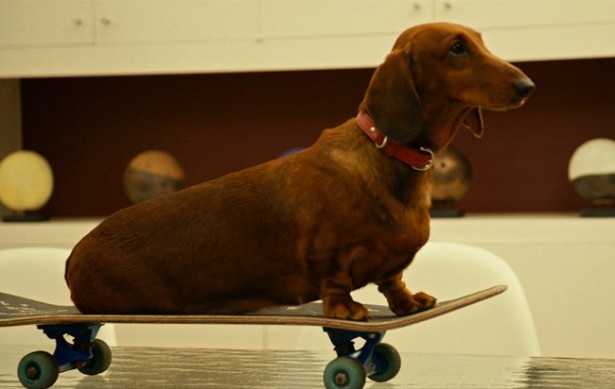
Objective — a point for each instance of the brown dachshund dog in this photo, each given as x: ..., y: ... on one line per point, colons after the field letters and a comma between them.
x: 352, y: 209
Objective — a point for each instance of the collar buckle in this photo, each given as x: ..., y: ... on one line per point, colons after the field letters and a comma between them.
x: 383, y: 144
x: 429, y: 164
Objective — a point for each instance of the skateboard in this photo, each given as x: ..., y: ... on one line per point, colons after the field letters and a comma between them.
x: 378, y: 361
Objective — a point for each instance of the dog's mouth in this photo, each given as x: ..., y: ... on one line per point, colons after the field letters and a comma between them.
x: 516, y: 103
x: 498, y: 103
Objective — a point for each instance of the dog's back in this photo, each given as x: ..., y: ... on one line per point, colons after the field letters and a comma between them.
x: 193, y: 251
x: 233, y: 244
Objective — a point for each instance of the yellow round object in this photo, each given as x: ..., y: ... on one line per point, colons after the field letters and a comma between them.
x: 26, y: 181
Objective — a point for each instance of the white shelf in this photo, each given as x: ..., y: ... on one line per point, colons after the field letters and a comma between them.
x: 478, y: 230
x: 63, y: 233
x: 524, y: 229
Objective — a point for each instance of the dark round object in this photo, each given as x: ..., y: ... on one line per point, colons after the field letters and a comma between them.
x: 599, y: 188
x: 151, y: 174
x: 38, y: 370
x: 452, y: 175
x: 100, y: 361
x: 344, y: 372
x: 387, y: 357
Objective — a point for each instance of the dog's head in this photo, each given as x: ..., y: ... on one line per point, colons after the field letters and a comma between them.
x: 441, y: 69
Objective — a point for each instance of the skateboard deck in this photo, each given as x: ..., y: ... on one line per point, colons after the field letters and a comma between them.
x: 16, y: 311
x: 378, y: 361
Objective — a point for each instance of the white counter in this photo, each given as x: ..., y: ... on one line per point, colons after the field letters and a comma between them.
x: 565, y: 263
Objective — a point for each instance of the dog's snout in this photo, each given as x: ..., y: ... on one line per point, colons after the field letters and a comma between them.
x: 524, y: 87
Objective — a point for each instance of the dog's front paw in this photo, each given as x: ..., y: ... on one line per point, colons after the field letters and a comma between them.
x: 407, y: 303
x: 346, y: 309
x: 427, y: 301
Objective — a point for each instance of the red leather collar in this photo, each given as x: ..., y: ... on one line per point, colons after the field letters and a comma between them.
x: 420, y: 160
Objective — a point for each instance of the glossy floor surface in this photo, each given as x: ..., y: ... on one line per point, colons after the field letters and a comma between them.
x: 203, y: 368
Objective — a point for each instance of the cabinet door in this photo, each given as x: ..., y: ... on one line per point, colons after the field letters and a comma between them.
x: 166, y: 21
x: 309, y: 18
x: 45, y: 23
x: 506, y: 14
x: 523, y: 30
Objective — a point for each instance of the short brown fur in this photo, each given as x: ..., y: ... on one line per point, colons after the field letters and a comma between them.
x: 315, y: 225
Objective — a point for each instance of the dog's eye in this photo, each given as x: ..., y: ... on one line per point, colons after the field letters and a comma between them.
x: 458, y: 48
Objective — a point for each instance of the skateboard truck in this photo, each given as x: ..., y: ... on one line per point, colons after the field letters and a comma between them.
x: 378, y: 361
x: 76, y: 355
x: 89, y: 355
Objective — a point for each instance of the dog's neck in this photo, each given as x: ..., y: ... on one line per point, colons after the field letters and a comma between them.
x: 443, y: 123
x: 420, y: 160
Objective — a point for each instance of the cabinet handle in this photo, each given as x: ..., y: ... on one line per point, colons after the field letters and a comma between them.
x: 105, y: 21
x: 77, y: 22
x: 417, y: 6
x: 448, y: 5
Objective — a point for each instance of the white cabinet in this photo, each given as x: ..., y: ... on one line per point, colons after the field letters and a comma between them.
x: 169, y: 21
x: 307, y: 19
x: 324, y: 34
x: 125, y: 37
x: 40, y: 38
x: 45, y: 23
x: 487, y: 15
x: 72, y: 22
x: 523, y: 30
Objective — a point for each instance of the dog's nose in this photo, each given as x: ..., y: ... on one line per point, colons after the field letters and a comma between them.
x: 524, y: 87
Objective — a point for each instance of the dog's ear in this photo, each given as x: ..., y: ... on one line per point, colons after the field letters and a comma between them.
x: 391, y: 99
x: 474, y: 122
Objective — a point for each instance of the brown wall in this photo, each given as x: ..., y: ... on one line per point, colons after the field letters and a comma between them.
x: 89, y: 128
